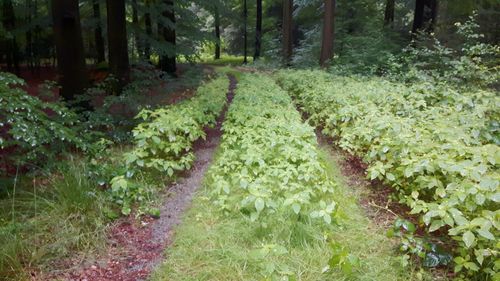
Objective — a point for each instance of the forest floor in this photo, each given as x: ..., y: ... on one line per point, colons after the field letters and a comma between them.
x: 135, y: 247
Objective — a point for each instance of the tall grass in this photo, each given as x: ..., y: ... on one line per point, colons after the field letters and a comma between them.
x: 43, y: 220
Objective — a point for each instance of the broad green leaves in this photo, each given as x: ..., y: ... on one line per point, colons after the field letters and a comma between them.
x: 163, y: 142
x: 268, y: 161
x: 436, y: 146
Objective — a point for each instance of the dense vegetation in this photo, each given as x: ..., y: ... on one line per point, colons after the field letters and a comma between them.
x: 362, y: 142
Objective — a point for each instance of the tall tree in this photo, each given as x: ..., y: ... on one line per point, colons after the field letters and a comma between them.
x: 245, y: 33
x: 217, y: 32
x: 168, y: 59
x: 9, y: 23
x: 258, y: 30
x: 117, y: 42
x: 99, y: 41
x: 149, y: 30
x: 389, y: 13
x: 287, y: 29
x: 73, y: 76
x: 135, y: 21
x: 425, y: 15
x: 328, y: 32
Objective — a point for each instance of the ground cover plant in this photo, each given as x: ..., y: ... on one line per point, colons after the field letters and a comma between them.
x: 436, y: 146
x: 261, y: 216
x: 163, y: 142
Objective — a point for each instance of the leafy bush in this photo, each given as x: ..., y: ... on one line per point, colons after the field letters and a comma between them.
x: 32, y: 131
x: 472, y: 64
x: 437, y: 147
x: 163, y: 142
x: 268, y: 160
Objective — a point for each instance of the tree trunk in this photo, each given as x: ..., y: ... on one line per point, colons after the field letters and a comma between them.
x: 217, y: 33
x: 328, y: 33
x: 425, y: 16
x: 135, y: 21
x: 29, y: 39
x: 258, y: 30
x: 117, y: 41
x: 12, y: 50
x: 167, y: 61
x: 73, y: 76
x: 245, y: 33
x: 287, y: 31
x: 149, y: 32
x: 99, y: 41
x: 389, y: 13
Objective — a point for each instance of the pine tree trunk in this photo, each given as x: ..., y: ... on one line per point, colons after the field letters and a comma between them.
x: 117, y: 42
x: 73, y: 76
x: 168, y: 61
x: 99, y: 41
x: 258, y: 30
x: 135, y: 21
x: 328, y: 33
x: 425, y: 16
x: 217, y: 33
x: 389, y: 13
x: 29, y: 39
x: 287, y: 31
x: 12, y: 50
x: 245, y: 33
x: 149, y: 32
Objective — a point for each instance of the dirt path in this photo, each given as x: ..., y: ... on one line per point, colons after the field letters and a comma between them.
x: 137, y: 247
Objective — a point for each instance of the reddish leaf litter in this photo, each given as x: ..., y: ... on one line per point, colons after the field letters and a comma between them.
x: 135, y: 248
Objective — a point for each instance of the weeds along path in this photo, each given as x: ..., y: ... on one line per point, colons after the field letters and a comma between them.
x: 136, y: 248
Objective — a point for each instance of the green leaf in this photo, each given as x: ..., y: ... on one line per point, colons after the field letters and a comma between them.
x: 259, y: 204
x: 296, y: 208
x: 468, y: 238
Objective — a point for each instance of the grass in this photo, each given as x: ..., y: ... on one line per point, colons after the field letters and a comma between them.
x: 43, y: 220
x: 210, y: 245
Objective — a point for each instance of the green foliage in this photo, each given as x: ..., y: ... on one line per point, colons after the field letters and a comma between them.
x: 164, y: 140
x: 46, y: 219
x: 31, y: 130
x: 437, y: 147
x: 472, y: 63
x: 268, y: 160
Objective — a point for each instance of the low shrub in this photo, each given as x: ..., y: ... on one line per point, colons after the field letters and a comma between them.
x: 436, y: 146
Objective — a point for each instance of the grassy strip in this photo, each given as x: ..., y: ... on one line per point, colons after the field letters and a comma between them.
x: 46, y: 219
x: 163, y: 142
x: 437, y: 147
x: 229, y: 235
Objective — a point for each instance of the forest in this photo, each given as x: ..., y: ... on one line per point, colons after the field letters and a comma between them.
x: 250, y: 140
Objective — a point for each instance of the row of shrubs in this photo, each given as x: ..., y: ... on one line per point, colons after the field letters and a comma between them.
x: 436, y: 146
x: 163, y: 141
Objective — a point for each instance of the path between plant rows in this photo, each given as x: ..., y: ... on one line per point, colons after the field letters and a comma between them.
x: 135, y: 248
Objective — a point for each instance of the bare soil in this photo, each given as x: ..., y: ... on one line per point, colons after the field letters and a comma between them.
x: 136, y: 247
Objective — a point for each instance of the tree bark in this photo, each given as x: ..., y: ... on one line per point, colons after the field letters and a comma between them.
x: 328, y: 33
x: 245, y: 33
x: 389, y: 13
x: 217, y: 33
x: 168, y: 61
x: 287, y: 29
x: 149, y: 31
x: 135, y: 21
x: 73, y: 76
x: 425, y: 16
x: 12, y: 50
x: 99, y: 41
x: 117, y: 42
x: 258, y: 30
